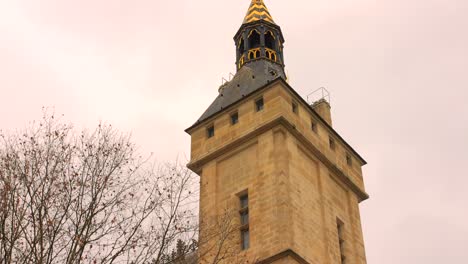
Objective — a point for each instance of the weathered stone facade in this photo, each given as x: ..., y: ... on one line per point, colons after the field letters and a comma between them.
x: 304, y: 182
x: 298, y: 186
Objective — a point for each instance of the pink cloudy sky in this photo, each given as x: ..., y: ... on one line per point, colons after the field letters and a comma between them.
x: 397, y: 70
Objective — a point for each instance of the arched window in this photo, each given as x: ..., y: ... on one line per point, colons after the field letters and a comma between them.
x: 270, y: 40
x: 254, y: 53
x: 254, y: 39
x: 271, y: 54
x: 241, y: 47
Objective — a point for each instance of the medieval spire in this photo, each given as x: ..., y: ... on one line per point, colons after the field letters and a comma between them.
x: 258, y: 11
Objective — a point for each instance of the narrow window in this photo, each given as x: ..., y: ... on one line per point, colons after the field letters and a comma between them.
x: 210, y: 132
x: 234, y: 118
x: 294, y: 108
x: 254, y: 39
x: 270, y: 40
x: 244, y: 219
x: 245, y: 239
x: 332, y: 143
x: 341, y: 241
x: 241, y: 47
x: 259, y: 105
x: 313, y: 125
x: 349, y: 160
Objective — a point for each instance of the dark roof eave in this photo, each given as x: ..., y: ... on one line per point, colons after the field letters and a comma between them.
x: 235, y: 102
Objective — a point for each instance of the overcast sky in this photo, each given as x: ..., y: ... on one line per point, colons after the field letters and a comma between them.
x: 397, y: 71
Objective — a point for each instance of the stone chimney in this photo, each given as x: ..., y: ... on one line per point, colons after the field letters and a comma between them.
x: 322, y: 107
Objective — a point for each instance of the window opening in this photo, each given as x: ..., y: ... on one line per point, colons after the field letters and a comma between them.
x: 241, y: 47
x: 270, y: 40
x: 244, y: 219
x: 314, y: 126
x: 254, y: 39
x: 234, y: 118
x: 259, y: 105
x: 341, y: 241
x: 332, y: 143
x: 294, y: 108
x: 349, y: 160
x: 210, y: 132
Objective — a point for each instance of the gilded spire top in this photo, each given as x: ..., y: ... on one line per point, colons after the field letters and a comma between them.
x: 258, y: 11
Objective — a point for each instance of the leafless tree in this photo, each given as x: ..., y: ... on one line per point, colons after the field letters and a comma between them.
x: 87, y: 198
x: 220, y: 239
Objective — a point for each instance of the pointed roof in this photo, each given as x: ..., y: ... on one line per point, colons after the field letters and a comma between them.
x: 258, y: 11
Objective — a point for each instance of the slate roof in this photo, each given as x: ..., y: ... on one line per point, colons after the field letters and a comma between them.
x: 248, y: 79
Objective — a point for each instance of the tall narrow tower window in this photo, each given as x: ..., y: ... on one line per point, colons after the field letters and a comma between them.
x: 270, y: 40
x: 254, y: 39
x: 340, y: 227
x: 241, y: 47
x: 244, y: 220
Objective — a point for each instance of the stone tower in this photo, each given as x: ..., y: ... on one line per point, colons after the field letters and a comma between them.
x: 277, y: 183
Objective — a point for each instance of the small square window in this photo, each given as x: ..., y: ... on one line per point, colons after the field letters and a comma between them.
x: 349, y: 160
x: 294, y: 108
x: 234, y: 118
x: 332, y: 143
x: 259, y: 105
x: 314, y: 126
x: 210, y: 132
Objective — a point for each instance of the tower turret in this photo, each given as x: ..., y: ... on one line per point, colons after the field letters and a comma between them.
x: 259, y: 40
